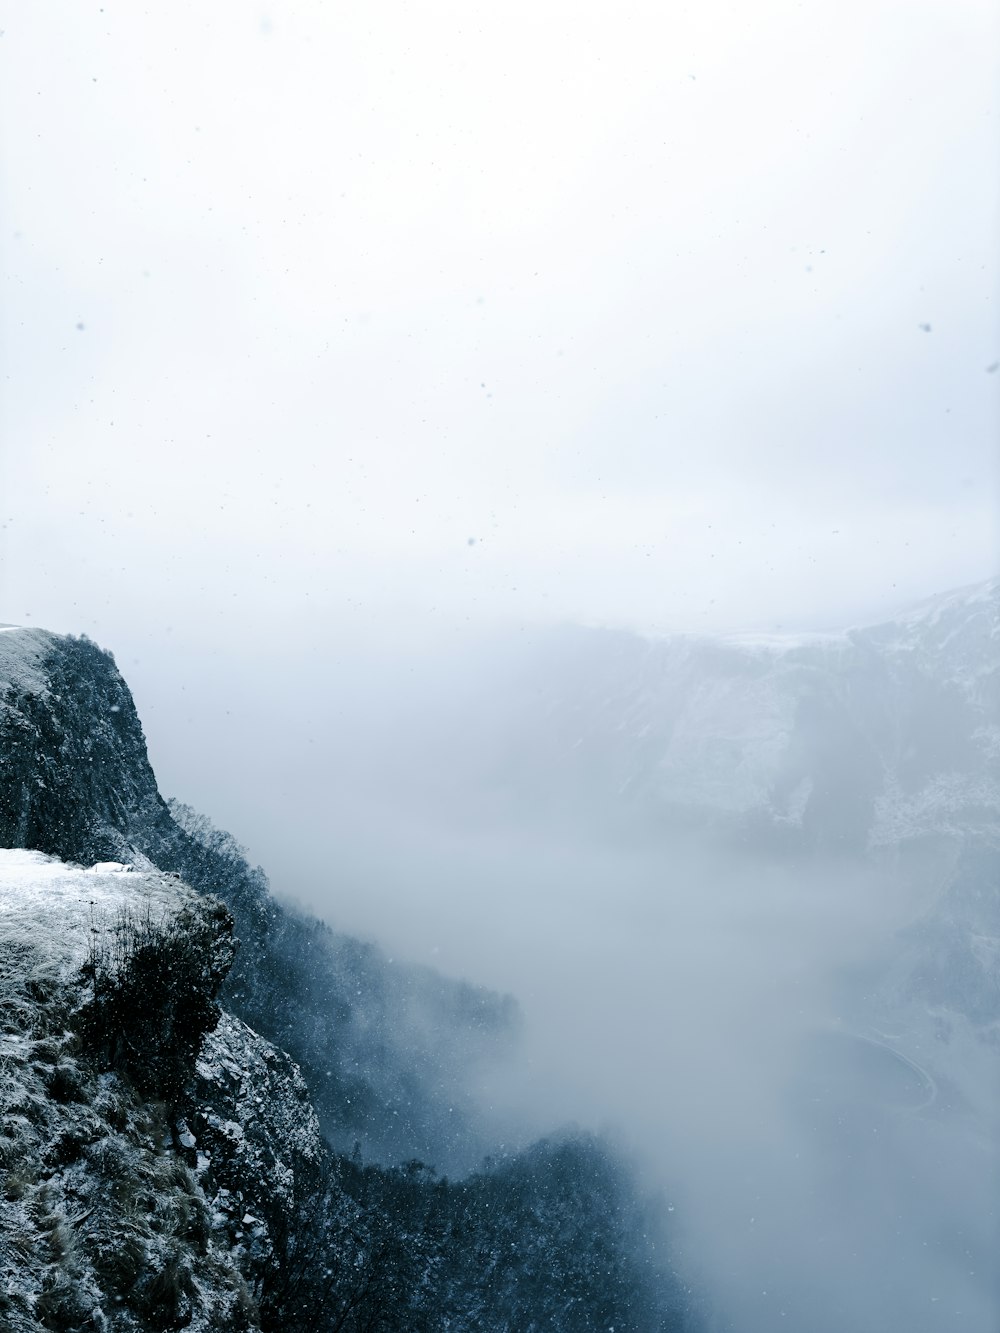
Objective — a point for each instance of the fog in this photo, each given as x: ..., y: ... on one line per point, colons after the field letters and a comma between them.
x: 355, y: 355
x: 732, y: 1015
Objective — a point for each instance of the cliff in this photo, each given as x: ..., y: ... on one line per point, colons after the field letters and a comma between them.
x: 76, y: 783
x: 166, y: 1165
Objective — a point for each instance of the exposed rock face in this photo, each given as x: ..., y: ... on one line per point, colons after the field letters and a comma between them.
x: 115, y: 1215
x: 75, y: 782
x: 75, y: 777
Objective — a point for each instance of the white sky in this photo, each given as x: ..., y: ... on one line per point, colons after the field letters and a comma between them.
x: 631, y: 294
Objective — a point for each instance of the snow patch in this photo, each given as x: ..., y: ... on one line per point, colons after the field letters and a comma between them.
x: 22, y: 657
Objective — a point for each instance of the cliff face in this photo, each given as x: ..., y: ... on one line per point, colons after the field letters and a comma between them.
x: 75, y: 782
x: 161, y: 1159
x: 75, y: 778
x: 114, y: 1215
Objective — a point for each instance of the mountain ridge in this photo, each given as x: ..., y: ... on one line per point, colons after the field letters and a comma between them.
x: 821, y: 741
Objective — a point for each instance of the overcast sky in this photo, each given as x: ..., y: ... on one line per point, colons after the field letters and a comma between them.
x: 660, y: 315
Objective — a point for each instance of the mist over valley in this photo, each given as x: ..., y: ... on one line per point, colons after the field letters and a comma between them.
x: 743, y: 892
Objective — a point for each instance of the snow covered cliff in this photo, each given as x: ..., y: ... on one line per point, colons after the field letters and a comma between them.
x: 75, y: 782
x: 121, y: 1210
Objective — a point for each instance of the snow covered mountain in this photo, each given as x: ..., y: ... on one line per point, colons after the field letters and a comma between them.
x: 878, y: 747
x: 846, y: 742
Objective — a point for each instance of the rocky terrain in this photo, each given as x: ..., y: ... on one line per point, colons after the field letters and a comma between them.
x: 165, y: 1165
x: 114, y: 1214
x: 76, y: 783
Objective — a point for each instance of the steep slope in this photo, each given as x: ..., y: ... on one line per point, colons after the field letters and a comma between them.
x: 386, y: 1049
x: 135, y: 1200
x: 107, y: 1219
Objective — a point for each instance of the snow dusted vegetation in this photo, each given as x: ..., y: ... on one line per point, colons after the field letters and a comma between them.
x: 104, y: 1223
x: 50, y: 910
x: 129, y: 1205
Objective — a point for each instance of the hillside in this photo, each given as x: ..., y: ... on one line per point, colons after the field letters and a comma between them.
x: 387, y: 1049
x: 163, y: 1161
x: 114, y: 1215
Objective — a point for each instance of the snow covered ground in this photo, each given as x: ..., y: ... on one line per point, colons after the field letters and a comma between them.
x: 22, y: 652
x: 114, y: 1213
x: 48, y: 909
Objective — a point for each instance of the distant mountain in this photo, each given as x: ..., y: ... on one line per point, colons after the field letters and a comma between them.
x: 846, y: 743
x: 877, y: 748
